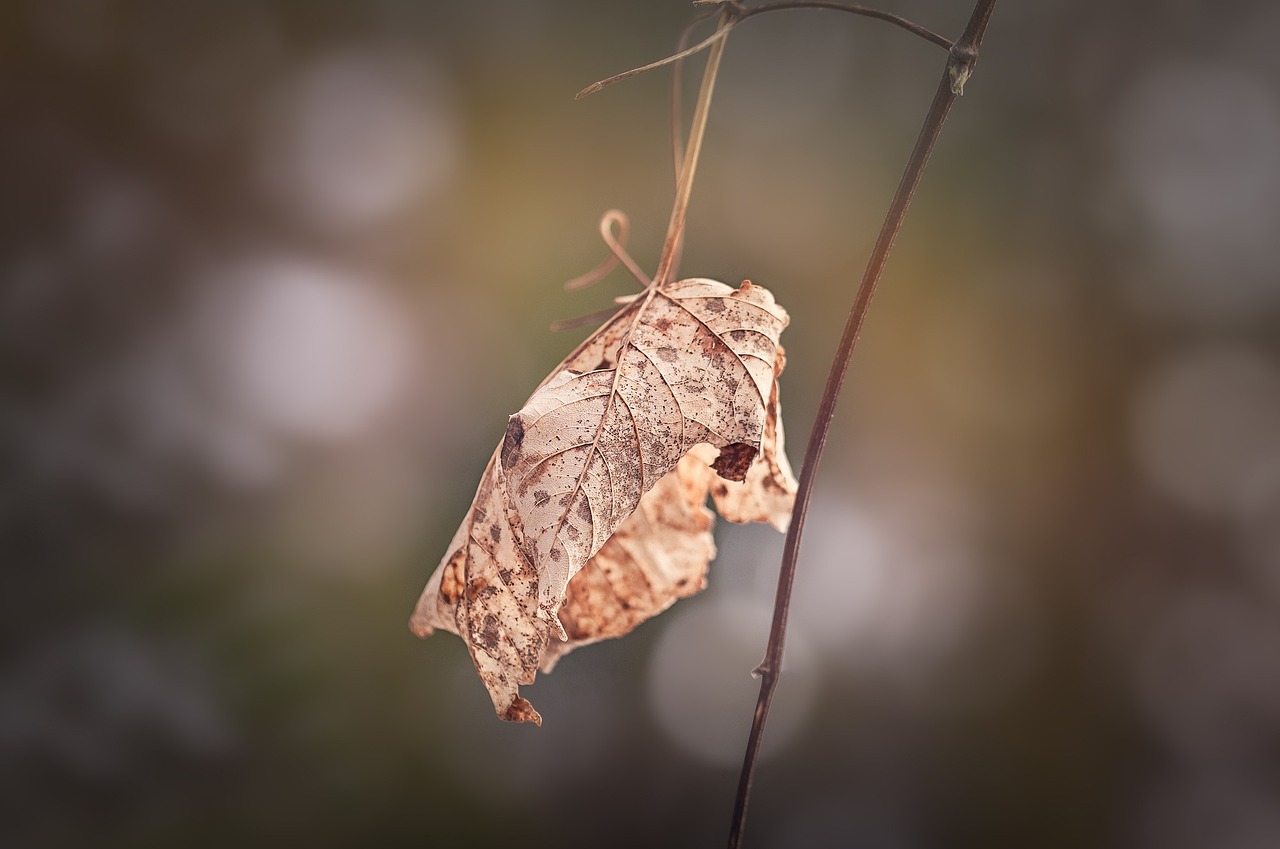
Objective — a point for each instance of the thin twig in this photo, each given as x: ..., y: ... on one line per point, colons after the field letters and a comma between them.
x: 715, y: 38
x: 963, y: 56
x: 737, y: 13
x: 854, y: 9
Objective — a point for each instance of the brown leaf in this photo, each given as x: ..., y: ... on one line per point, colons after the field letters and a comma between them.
x: 659, y: 554
x: 693, y: 363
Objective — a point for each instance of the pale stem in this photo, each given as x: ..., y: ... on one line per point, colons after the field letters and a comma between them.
x: 684, y: 187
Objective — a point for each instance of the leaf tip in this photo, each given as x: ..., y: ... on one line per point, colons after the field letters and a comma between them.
x: 521, y: 711
x: 420, y: 622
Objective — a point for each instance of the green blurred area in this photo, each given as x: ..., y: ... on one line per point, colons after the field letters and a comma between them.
x: 275, y: 273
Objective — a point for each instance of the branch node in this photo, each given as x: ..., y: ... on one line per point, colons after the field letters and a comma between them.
x: 960, y: 66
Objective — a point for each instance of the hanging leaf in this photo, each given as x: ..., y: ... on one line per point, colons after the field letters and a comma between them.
x: 693, y: 363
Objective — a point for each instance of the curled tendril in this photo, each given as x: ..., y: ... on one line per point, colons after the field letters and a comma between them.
x: 617, y: 253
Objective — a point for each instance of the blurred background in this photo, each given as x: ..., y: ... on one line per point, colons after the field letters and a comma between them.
x: 273, y: 274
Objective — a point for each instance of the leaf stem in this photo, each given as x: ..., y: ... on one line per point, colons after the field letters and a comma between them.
x: 963, y: 57
x: 697, y: 129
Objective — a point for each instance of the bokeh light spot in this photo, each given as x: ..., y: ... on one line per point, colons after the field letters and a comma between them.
x: 357, y: 138
x: 309, y: 350
x: 1197, y: 151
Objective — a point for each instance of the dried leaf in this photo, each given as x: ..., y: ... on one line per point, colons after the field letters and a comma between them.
x: 659, y: 554
x: 690, y: 364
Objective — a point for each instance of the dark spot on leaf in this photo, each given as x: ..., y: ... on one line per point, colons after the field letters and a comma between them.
x: 505, y: 575
x: 734, y: 460
x: 495, y: 533
x: 512, y: 441
x: 584, y: 510
x: 669, y: 355
x: 662, y: 325
x: 488, y: 636
x: 556, y: 554
x: 541, y: 497
x: 715, y: 305
x: 477, y: 586
x: 572, y: 532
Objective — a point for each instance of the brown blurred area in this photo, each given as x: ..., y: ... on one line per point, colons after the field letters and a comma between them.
x: 273, y: 274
